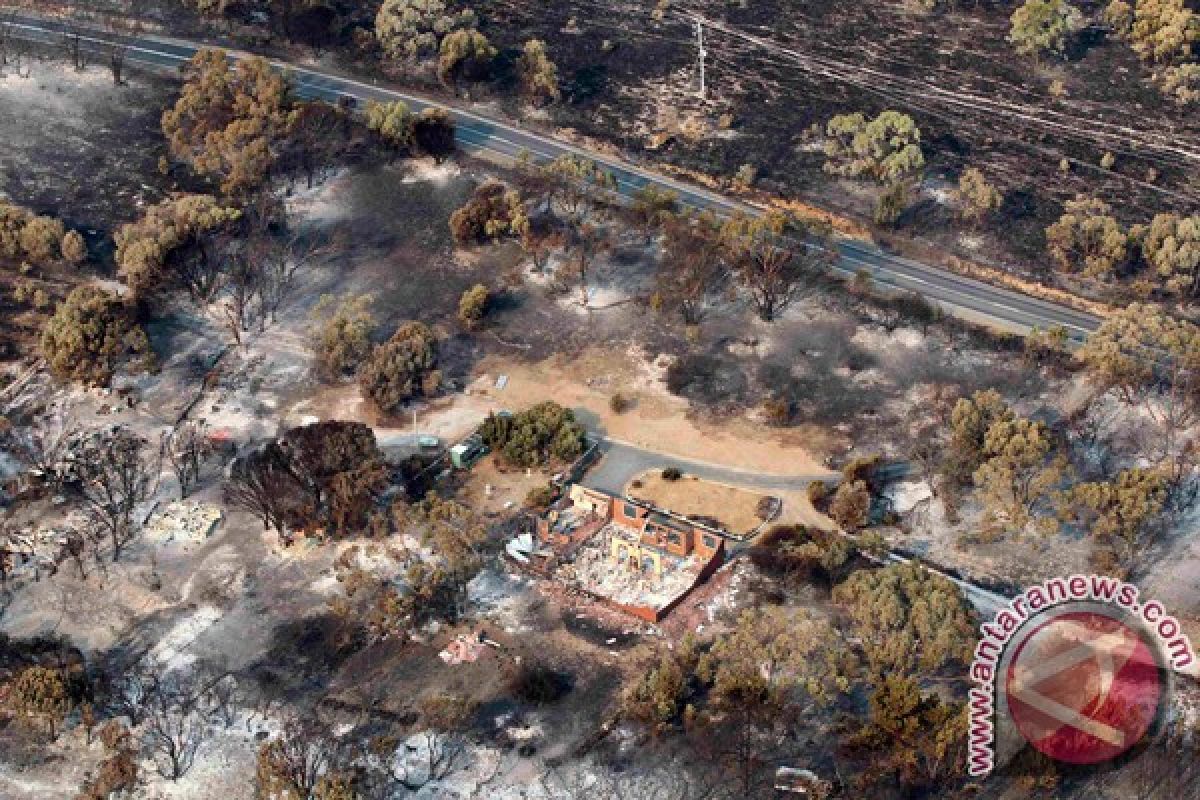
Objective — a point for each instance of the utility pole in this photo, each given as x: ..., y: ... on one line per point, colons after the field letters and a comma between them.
x: 702, y: 54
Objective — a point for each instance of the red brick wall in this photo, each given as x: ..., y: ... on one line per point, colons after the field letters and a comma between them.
x: 621, y: 518
x: 599, y: 500
x: 682, y: 548
x: 702, y: 549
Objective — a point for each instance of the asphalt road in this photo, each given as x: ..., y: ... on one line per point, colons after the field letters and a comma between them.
x: 622, y: 462
x: 964, y: 297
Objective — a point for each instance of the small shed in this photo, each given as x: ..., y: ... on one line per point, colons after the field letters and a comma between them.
x: 465, y: 454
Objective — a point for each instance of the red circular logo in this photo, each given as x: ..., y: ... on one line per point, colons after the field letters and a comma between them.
x: 1083, y: 687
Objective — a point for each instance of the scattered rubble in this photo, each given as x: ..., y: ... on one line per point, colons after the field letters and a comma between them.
x: 184, y: 521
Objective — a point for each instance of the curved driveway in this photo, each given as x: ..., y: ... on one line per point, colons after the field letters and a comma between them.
x: 621, y: 462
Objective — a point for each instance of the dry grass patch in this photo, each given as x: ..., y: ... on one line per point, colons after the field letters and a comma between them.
x: 508, y: 485
x: 735, y: 509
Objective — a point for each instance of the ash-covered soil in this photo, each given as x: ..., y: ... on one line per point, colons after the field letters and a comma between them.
x: 78, y: 147
x: 781, y: 68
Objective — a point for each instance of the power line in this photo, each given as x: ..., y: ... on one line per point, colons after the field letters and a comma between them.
x: 1052, y: 121
x: 952, y: 106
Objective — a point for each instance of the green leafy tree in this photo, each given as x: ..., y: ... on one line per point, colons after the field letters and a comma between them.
x: 493, y: 212
x: 41, y: 239
x: 437, y: 586
x: 775, y: 652
x: 658, y: 698
x: 1044, y: 26
x: 1181, y: 83
x: 230, y: 120
x: 1119, y: 15
x: 1153, y: 360
x: 41, y: 693
x: 1171, y: 246
x: 796, y: 552
x: 892, y: 203
x: 970, y: 420
x: 574, y: 182
x: 30, y: 238
x: 344, y: 340
x: 393, y: 122
x: 910, y: 621
x: 851, y: 505
x: 90, y: 335
x: 918, y: 737
x: 451, y: 529
x: 411, y: 30
x: 654, y: 207
x: 73, y: 248
x: 776, y: 257
x: 1023, y: 466
x: 535, y: 436
x: 1163, y: 31
x: 1048, y: 345
x: 172, y: 245
x: 473, y: 305
x: 537, y: 74
x: 1116, y: 355
x: 977, y: 198
x: 13, y: 220
x: 1087, y: 239
x: 1120, y: 513
x: 212, y: 8
x: 401, y: 368
x: 886, y: 149
x: 464, y: 55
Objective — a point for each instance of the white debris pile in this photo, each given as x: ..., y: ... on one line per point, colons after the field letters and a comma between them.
x: 32, y: 551
x: 184, y: 521
x: 521, y: 548
x: 727, y: 601
x: 907, y: 495
x: 593, y: 569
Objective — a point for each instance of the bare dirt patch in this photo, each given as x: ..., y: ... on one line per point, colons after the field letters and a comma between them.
x: 736, y: 509
x: 798, y: 510
x: 657, y: 421
x: 490, y: 487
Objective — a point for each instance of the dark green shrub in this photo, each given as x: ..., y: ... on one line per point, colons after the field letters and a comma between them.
x: 535, y: 436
